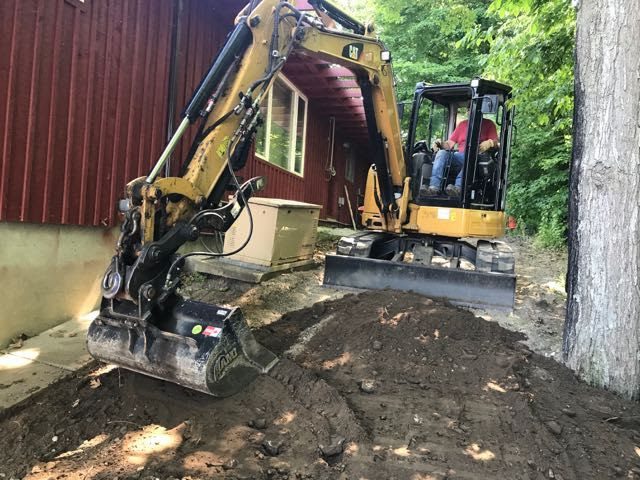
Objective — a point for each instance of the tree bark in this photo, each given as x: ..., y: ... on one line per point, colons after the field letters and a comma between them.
x: 602, y: 330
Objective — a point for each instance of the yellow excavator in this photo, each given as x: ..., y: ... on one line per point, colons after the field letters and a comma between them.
x: 418, y: 236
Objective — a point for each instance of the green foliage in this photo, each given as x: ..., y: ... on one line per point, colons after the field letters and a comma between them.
x: 525, y: 43
x: 531, y: 48
x: 424, y: 37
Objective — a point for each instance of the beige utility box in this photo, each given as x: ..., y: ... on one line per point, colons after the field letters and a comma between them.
x: 284, y: 231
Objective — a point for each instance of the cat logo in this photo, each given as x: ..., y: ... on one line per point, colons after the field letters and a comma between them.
x: 353, y: 51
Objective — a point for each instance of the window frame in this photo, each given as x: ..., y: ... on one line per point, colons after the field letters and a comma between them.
x: 291, y: 161
x: 80, y: 4
x: 350, y: 165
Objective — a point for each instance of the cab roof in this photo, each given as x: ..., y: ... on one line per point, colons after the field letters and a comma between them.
x: 454, y: 92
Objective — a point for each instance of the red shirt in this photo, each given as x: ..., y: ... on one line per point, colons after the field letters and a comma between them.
x: 487, y: 132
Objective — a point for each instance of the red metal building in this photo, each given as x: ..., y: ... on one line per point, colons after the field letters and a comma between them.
x: 89, y: 90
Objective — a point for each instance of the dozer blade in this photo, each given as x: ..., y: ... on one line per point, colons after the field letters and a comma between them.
x: 460, y: 287
x: 196, y: 345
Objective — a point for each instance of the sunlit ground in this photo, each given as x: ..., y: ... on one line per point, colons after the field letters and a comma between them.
x: 340, y: 360
x: 477, y: 453
x: 492, y: 385
x: 285, y: 419
x: 27, y: 357
x: 151, y: 440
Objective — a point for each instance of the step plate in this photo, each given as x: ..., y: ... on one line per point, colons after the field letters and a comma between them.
x: 460, y: 287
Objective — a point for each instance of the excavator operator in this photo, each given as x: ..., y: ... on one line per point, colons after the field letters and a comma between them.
x: 446, y: 155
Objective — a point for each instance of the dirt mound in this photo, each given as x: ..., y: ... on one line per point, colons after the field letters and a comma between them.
x: 381, y: 385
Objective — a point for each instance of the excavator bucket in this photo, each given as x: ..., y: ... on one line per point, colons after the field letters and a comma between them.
x: 194, y: 344
x: 460, y: 287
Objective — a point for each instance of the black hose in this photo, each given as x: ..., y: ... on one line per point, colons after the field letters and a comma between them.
x: 177, y: 261
x: 264, y: 81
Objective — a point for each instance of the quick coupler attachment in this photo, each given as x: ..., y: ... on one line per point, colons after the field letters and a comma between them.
x: 197, y: 345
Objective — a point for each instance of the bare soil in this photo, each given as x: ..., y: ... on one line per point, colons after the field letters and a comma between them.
x: 266, y: 302
x: 540, y: 306
x: 379, y: 385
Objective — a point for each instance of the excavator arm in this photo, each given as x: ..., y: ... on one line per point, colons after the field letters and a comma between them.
x: 144, y: 324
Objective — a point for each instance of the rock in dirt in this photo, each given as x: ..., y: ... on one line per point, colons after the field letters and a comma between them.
x: 377, y: 345
x: 230, y: 464
x: 568, y: 412
x: 554, y: 427
x: 336, y: 447
x: 318, y: 309
x: 272, y: 447
x: 541, y: 374
x: 258, y: 423
x: 368, y: 385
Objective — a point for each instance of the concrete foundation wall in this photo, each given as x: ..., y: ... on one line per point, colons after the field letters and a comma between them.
x: 49, y: 274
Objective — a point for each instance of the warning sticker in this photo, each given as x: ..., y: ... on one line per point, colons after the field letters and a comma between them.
x: 211, y: 331
x: 222, y: 312
x: 443, y: 213
x: 222, y: 149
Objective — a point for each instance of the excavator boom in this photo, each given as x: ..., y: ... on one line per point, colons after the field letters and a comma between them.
x: 144, y: 324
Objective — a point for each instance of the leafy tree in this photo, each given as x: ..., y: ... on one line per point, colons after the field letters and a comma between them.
x: 425, y: 36
x: 531, y: 48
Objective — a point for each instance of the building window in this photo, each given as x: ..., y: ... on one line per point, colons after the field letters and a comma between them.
x: 280, y: 140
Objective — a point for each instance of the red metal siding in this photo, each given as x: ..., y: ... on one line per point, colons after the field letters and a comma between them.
x: 84, y: 100
x: 204, y: 26
x: 82, y: 104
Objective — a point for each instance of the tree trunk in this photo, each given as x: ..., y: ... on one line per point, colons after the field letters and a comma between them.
x: 602, y: 330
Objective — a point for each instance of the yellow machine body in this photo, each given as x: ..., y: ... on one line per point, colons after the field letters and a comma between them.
x: 429, y: 220
x: 456, y: 222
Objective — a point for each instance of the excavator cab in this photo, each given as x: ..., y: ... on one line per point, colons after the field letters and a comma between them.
x: 437, y: 111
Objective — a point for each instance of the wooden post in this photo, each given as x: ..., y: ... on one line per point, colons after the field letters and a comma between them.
x: 353, y: 221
